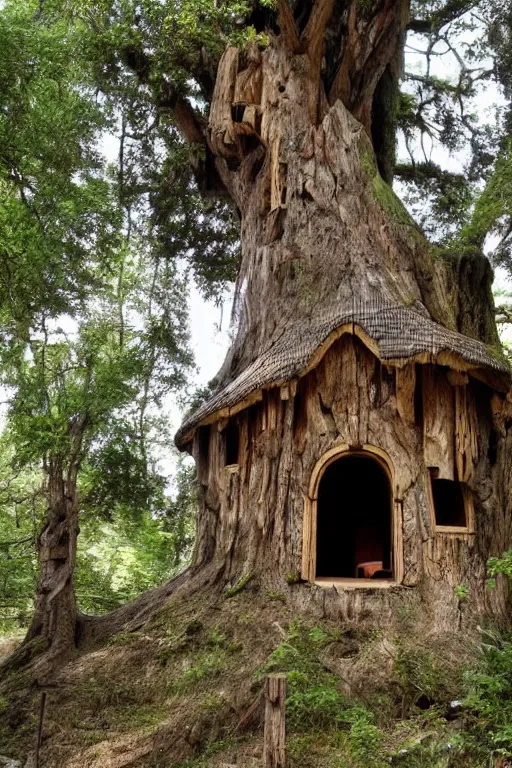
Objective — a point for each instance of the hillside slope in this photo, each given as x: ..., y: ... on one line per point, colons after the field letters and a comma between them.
x: 183, y: 689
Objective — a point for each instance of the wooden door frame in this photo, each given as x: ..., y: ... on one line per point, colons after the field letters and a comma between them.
x: 311, y: 513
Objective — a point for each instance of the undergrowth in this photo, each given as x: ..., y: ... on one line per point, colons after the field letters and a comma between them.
x: 355, y: 699
x: 419, y: 723
x: 316, y: 704
x: 488, y: 699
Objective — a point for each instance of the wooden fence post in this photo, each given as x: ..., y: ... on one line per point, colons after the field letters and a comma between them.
x: 39, y: 739
x: 274, y: 738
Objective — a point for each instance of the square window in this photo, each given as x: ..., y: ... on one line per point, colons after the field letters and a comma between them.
x: 231, y: 443
x: 450, y: 504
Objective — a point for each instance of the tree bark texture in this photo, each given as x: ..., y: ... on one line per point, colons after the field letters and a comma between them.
x: 55, y: 609
x: 55, y: 605
x: 293, y: 145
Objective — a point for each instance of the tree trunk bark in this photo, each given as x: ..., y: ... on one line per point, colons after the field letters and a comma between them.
x: 55, y: 611
x: 319, y: 224
x: 321, y: 228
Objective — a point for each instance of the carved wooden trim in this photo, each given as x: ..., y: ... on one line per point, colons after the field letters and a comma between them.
x: 326, y: 583
x: 309, y: 532
x: 321, y: 465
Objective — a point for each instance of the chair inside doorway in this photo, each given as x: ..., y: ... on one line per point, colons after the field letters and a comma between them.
x: 354, y: 520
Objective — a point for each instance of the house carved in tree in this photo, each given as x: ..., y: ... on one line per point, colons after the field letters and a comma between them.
x: 356, y: 445
x: 390, y: 423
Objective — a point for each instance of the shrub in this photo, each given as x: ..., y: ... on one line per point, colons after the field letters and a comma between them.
x: 425, y: 678
x: 365, y: 741
x: 316, y: 706
x: 489, y: 695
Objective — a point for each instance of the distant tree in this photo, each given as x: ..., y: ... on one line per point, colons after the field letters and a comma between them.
x: 92, y: 313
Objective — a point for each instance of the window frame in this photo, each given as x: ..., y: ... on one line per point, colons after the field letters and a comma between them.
x: 467, y: 496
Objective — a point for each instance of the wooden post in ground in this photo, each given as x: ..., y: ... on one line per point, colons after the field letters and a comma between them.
x: 39, y: 739
x: 274, y: 738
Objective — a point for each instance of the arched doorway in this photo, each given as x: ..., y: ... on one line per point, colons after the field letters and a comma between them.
x: 354, y: 520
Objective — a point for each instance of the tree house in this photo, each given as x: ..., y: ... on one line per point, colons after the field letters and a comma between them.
x: 358, y: 441
x: 357, y: 454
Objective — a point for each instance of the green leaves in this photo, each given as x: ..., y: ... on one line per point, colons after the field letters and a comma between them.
x: 93, y: 317
x: 54, y: 205
x: 489, y: 694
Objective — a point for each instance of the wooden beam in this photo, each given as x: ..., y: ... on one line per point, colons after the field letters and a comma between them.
x: 438, y: 422
x: 308, y: 570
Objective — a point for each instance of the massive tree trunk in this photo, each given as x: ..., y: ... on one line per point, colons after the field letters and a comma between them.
x: 301, y: 141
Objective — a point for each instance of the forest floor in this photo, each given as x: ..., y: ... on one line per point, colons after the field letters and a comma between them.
x: 184, y: 690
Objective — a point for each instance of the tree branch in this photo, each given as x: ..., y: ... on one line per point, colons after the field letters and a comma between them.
x: 187, y: 120
x: 15, y: 542
x: 313, y: 35
x: 452, y: 11
x: 287, y: 25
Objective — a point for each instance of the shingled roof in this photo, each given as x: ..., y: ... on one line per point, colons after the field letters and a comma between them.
x: 396, y: 334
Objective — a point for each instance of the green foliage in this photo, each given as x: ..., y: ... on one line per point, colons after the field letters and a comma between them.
x: 21, y: 515
x: 207, y: 658
x: 489, y: 695
x: 92, y: 318
x: 492, y: 211
x: 315, y: 703
x: 365, y: 740
x: 313, y: 706
x: 462, y: 593
x: 56, y: 201
x: 497, y: 565
x: 292, y: 577
x: 425, y: 679
x: 314, y: 699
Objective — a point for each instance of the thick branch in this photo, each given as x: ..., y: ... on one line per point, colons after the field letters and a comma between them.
x: 287, y: 25
x: 452, y: 11
x: 187, y: 120
x: 427, y: 171
x: 15, y: 542
x: 313, y: 35
x: 372, y: 44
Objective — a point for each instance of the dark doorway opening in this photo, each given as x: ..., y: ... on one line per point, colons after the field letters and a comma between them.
x: 354, y: 520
